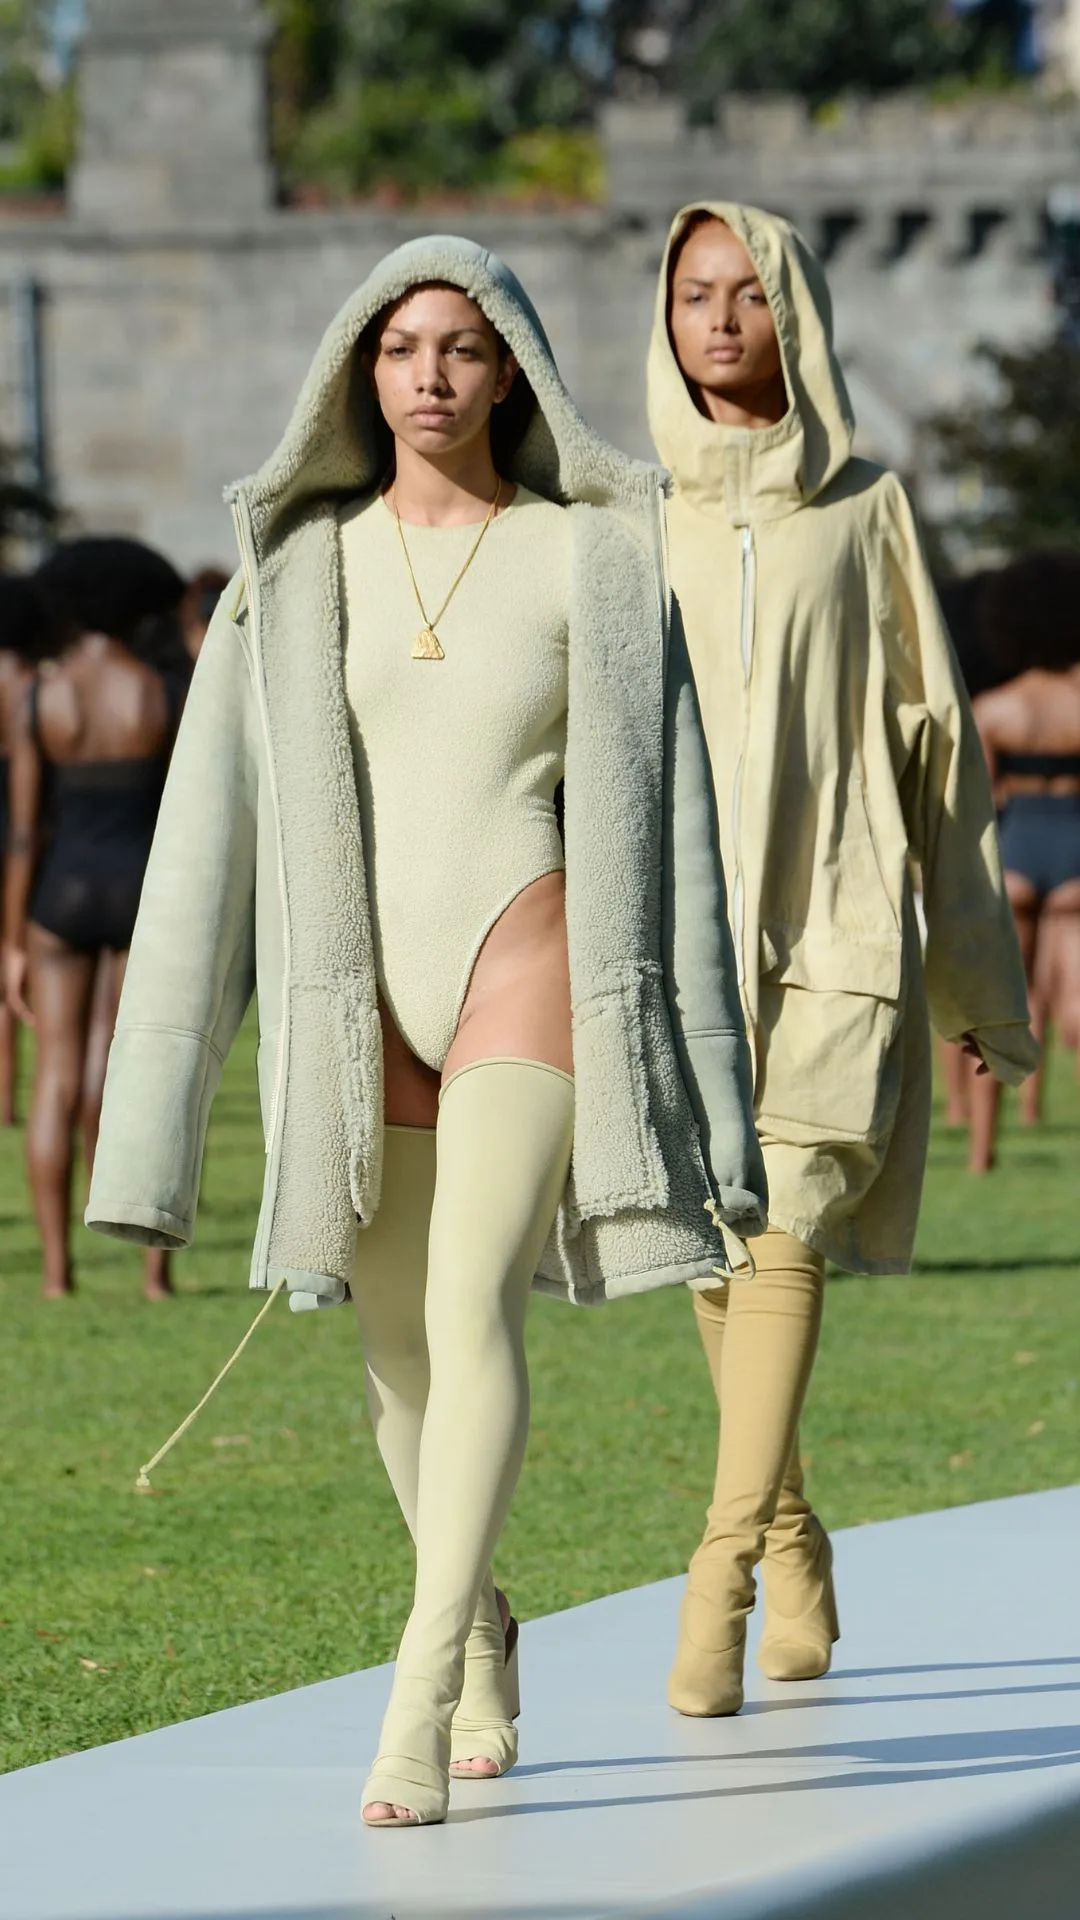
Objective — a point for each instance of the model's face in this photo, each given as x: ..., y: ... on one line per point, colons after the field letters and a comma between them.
x: 722, y: 326
x: 437, y: 371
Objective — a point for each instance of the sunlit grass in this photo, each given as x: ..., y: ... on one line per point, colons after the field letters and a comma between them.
x: 272, y: 1553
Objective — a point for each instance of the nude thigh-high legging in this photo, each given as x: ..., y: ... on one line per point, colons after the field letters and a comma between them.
x: 503, y: 1144
x: 389, y: 1286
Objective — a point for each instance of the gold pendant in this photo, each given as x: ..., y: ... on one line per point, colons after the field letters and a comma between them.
x: 426, y: 646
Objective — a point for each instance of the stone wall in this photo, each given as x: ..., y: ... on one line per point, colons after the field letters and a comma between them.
x: 180, y: 307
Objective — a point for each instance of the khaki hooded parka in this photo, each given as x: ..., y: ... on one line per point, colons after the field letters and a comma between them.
x: 843, y: 751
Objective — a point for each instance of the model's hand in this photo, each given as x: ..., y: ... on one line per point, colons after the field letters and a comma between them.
x: 15, y: 971
x: 970, y: 1046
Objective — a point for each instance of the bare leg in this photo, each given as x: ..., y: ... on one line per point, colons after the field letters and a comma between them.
x: 108, y: 983
x: 9, y: 1064
x: 61, y: 986
x: 985, y: 1090
x: 954, y: 1072
x: 1060, y: 926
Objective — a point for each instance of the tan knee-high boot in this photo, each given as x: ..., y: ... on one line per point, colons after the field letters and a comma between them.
x: 503, y: 1152
x: 388, y: 1291
x: 800, y: 1624
x: 760, y: 1336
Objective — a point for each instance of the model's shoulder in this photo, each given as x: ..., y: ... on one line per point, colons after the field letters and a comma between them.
x: 864, y: 485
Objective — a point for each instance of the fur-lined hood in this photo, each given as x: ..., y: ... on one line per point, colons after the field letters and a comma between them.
x: 259, y: 864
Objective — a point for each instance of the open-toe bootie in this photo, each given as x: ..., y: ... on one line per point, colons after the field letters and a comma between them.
x: 412, y: 1769
x: 484, y: 1724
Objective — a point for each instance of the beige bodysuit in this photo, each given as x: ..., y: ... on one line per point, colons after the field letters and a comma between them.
x: 457, y: 760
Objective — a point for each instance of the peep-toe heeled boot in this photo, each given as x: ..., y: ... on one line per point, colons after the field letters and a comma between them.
x: 412, y: 1769
x: 484, y: 1725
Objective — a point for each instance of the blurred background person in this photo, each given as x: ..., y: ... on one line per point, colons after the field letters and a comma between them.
x: 24, y: 627
x: 1030, y: 730
x: 197, y: 608
x: 964, y: 602
x: 89, y: 753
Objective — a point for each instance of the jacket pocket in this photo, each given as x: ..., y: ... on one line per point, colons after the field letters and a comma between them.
x: 618, y: 1161
x: 828, y: 1015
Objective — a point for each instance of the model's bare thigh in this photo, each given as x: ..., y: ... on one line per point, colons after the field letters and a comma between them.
x: 1059, y: 934
x: 518, y: 1001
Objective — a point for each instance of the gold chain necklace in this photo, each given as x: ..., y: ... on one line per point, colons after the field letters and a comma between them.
x: 426, y: 645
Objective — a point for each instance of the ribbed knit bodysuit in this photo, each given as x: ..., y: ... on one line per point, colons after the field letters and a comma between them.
x: 457, y: 760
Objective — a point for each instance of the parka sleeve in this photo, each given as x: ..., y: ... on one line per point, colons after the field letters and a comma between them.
x: 974, y: 972
x: 190, y: 972
x: 699, y: 960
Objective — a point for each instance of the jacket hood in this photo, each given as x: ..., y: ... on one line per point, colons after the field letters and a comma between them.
x: 330, y: 447
x: 757, y: 473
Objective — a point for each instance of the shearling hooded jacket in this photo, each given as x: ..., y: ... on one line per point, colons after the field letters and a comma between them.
x: 257, y: 875
x: 842, y: 748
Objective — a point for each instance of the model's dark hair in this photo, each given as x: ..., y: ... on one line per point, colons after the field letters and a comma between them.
x: 25, y: 625
x: 701, y: 217
x: 510, y: 418
x: 108, y: 585
x: 1031, y: 613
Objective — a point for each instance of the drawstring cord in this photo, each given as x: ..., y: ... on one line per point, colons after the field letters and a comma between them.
x: 142, y: 1484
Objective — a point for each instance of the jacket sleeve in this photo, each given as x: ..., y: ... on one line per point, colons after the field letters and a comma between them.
x: 974, y: 972
x: 190, y: 973
x: 699, y: 960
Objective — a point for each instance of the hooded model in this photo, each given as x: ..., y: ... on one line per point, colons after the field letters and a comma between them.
x: 843, y: 753
x: 362, y: 798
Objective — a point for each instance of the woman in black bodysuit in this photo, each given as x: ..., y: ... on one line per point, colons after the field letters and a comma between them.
x: 90, y: 751
x: 1030, y: 730
x: 24, y: 626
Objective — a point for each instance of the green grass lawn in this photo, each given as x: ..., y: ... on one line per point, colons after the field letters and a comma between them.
x: 271, y: 1553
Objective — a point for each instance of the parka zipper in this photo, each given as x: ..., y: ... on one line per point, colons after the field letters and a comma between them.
x: 246, y: 542
x: 747, y: 612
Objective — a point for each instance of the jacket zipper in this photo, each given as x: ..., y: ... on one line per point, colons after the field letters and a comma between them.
x: 246, y: 543
x: 747, y: 610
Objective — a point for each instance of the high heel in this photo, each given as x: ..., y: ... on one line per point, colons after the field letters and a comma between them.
x: 706, y: 1679
x: 412, y: 1769
x: 801, y: 1622
x: 483, y: 1727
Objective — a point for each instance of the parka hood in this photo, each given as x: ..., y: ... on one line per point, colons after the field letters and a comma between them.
x: 330, y: 447
x: 751, y: 474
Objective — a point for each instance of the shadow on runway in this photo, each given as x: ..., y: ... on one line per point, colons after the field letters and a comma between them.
x: 908, y: 1760
x: 953, y: 1666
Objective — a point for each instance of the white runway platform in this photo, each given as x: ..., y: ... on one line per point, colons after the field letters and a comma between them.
x: 935, y: 1775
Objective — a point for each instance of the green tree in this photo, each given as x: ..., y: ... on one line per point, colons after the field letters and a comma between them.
x: 436, y: 94
x: 1016, y: 455
x: 36, y: 99
x: 817, y: 48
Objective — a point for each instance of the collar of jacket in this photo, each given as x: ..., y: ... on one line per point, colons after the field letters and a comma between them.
x: 745, y: 474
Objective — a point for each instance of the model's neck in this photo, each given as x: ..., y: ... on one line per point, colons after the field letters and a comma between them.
x: 757, y: 406
x: 450, y: 491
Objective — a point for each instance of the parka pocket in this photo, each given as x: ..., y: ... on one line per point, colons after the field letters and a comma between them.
x: 826, y: 1025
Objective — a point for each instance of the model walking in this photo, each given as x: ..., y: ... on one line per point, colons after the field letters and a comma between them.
x: 1030, y: 730
x: 433, y: 630
x: 842, y: 744
x: 23, y: 639
x: 88, y: 766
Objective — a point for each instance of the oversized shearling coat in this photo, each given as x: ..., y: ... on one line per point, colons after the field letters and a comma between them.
x: 843, y: 749
x: 257, y: 875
